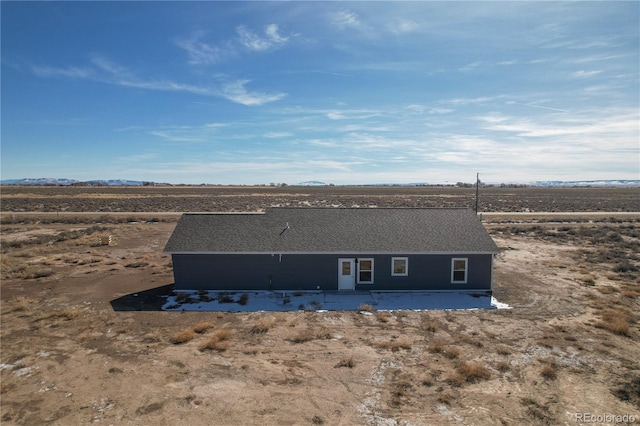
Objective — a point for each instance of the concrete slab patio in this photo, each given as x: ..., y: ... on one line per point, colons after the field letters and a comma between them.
x: 327, y: 301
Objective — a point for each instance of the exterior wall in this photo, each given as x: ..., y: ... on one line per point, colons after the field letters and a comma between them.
x: 430, y: 272
x: 320, y: 272
x: 255, y: 272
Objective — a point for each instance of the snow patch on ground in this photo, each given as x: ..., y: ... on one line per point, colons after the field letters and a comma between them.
x: 253, y: 301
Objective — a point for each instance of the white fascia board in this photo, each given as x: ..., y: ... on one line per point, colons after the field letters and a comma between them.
x: 345, y: 253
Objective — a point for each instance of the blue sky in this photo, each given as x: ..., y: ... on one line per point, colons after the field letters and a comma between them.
x: 341, y: 92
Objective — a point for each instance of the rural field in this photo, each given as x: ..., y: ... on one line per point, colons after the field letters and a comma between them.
x: 83, y: 338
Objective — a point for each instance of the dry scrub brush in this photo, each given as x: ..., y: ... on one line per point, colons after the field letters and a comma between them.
x: 22, y: 303
x: 394, y: 345
x: 182, y: 336
x: 309, y: 334
x: 503, y: 350
x: 450, y: 352
x: 203, y: 326
x: 618, y: 321
x: 383, y: 316
x: 262, y: 326
x: 217, y: 342
x: 549, y: 371
x: 399, y: 390
x: 346, y: 362
x: 365, y: 307
x: 12, y: 268
x: 429, y: 325
x: 468, y: 372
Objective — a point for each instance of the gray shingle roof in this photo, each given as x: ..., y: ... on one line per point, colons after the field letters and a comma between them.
x: 333, y: 230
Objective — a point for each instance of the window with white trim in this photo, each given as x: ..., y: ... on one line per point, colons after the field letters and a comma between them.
x: 459, y: 269
x: 399, y: 266
x: 365, y: 271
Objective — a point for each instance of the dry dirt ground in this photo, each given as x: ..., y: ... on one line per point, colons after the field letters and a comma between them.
x: 251, y: 198
x: 83, y: 340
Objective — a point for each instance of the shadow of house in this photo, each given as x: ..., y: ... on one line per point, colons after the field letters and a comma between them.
x: 146, y: 300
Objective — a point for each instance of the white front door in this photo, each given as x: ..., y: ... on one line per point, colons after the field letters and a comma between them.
x: 346, y: 274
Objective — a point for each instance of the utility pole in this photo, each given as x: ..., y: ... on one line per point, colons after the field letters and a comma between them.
x: 477, y: 190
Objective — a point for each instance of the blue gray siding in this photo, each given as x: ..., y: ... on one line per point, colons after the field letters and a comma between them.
x: 320, y: 272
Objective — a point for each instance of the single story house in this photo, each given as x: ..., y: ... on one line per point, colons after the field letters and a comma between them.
x: 330, y: 249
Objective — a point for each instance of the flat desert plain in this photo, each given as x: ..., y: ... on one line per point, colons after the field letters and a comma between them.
x: 84, y: 341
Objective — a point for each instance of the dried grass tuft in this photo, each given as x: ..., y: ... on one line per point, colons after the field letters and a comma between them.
x: 549, y: 370
x: 503, y: 350
x: 445, y: 398
x: 262, y: 326
x: 22, y: 303
x: 365, y: 307
x: 203, y: 326
x: 469, y: 372
x: 429, y: 325
x: 182, y: 337
x: 451, y: 352
x: 394, y: 345
x: 383, y: 316
x: 70, y: 313
x: 217, y: 341
x: 346, y: 362
x: 616, y: 321
x: 303, y: 336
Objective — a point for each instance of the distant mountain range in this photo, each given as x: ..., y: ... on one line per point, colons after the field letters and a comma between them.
x: 584, y: 183
x: 620, y: 183
x: 68, y: 182
x: 312, y: 183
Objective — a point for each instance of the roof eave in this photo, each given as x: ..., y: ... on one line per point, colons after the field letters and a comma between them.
x: 346, y: 252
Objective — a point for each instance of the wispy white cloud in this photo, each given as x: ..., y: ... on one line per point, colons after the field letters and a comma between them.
x: 173, y: 137
x: 236, y: 91
x: 272, y: 32
x: 594, y: 58
x: 536, y: 106
x: 441, y: 110
x: 585, y: 74
x: 200, y: 52
x: 70, y: 72
x: 403, y: 26
x: 109, y: 72
x: 394, y: 66
x: 207, y: 132
x: 416, y: 109
x: 323, y: 143
x: 583, y: 44
x: 470, y: 67
x: 345, y: 18
x: 253, y: 41
x: 421, y: 109
x: 278, y: 135
x: 339, y: 74
x: 608, y: 88
x: 215, y: 125
x: 364, y: 127
x: 110, y: 67
x: 351, y: 114
x: 471, y: 101
x: 586, y: 128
